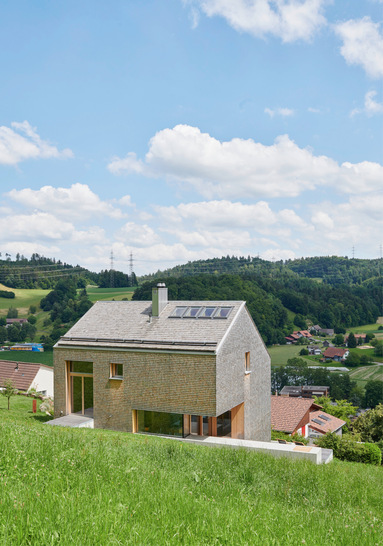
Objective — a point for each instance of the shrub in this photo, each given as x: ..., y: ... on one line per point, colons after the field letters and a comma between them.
x: 7, y: 294
x: 346, y: 449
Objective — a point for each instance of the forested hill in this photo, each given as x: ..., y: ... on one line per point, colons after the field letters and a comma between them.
x: 332, y: 270
x: 269, y: 297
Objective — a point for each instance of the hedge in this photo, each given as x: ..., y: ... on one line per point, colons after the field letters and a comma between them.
x: 350, y: 450
x: 7, y: 294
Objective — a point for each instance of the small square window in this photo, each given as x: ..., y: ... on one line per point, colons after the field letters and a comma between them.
x: 116, y: 371
x: 247, y: 361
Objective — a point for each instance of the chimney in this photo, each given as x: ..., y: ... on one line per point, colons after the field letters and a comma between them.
x: 159, y: 299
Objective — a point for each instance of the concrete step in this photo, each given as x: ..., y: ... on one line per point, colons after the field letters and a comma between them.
x: 73, y: 421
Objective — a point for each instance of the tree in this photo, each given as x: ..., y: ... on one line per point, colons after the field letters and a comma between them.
x: 370, y: 425
x: 12, y: 312
x: 3, y: 321
x: 32, y: 319
x: 338, y: 340
x: 3, y: 334
x: 379, y: 349
x: 304, y: 351
x: 352, y: 360
x: 9, y: 390
x: 32, y: 309
x: 351, y: 342
x: 374, y: 393
x: 343, y: 409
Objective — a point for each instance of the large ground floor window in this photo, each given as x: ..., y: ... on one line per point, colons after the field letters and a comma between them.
x: 156, y: 422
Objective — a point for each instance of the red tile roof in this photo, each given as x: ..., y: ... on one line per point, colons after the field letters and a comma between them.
x: 21, y: 378
x: 331, y: 424
x: 288, y: 413
x: 330, y: 352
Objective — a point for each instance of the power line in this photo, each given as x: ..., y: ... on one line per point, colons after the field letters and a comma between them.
x: 111, y: 269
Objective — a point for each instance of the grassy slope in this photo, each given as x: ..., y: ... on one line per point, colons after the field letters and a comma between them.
x: 365, y: 373
x: 24, y: 298
x: 95, y: 293
x: 281, y: 353
x: 85, y: 486
x: 28, y: 356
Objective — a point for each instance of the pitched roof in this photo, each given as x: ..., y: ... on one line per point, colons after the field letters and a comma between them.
x: 330, y: 352
x: 330, y: 423
x: 127, y: 324
x: 22, y: 378
x: 287, y: 413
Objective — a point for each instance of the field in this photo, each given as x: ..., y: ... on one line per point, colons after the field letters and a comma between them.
x: 281, y: 353
x: 95, y: 293
x: 24, y: 298
x: 83, y: 486
x: 365, y: 373
x: 28, y: 356
x: 366, y: 329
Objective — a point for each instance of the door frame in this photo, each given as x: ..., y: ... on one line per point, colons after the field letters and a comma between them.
x: 70, y: 374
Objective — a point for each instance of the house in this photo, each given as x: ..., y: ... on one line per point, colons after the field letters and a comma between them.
x: 326, y: 331
x: 336, y: 353
x: 11, y: 321
x: 316, y: 328
x: 291, y: 415
x: 314, y: 350
x: 357, y: 337
x: 293, y: 338
x: 305, y: 391
x: 27, y: 375
x: 166, y: 367
x: 321, y: 423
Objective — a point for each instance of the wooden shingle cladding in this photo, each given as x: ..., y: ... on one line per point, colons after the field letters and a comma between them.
x: 188, y: 366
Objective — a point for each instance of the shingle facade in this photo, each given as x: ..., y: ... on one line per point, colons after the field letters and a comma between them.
x: 186, y: 366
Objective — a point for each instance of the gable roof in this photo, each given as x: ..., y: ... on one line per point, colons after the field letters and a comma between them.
x: 330, y: 424
x: 288, y: 413
x: 22, y: 378
x: 128, y: 324
x: 330, y: 352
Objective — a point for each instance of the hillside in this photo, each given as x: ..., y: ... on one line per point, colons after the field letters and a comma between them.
x: 332, y: 270
x: 83, y: 486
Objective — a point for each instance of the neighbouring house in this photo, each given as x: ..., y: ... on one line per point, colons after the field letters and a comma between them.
x: 321, y: 423
x: 336, y: 353
x: 27, y: 375
x: 166, y: 367
x: 326, y: 331
x: 316, y: 328
x: 305, y: 391
x: 314, y: 350
x: 291, y: 415
x: 357, y: 337
x: 11, y: 321
x: 293, y: 338
x: 327, y: 343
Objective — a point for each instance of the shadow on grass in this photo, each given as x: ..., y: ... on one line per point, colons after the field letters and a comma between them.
x: 41, y: 418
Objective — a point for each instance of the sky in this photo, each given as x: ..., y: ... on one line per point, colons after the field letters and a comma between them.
x: 178, y: 130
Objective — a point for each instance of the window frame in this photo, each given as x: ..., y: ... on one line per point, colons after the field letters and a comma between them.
x: 247, y: 362
x: 113, y: 371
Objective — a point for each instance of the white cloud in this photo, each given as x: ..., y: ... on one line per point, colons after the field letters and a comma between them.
x: 244, y: 168
x: 128, y: 163
x: 28, y: 248
x: 39, y: 225
x: 362, y: 44
x: 137, y: 235
x: 76, y: 202
x: 22, y: 142
x: 289, y: 20
x: 284, y: 112
x: 371, y: 106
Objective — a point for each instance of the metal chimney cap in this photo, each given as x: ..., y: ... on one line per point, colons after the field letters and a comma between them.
x: 161, y: 285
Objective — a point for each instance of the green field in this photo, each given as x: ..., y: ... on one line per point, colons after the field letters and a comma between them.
x: 84, y: 486
x: 366, y: 373
x: 28, y: 356
x: 96, y: 294
x: 366, y: 329
x: 24, y: 298
x: 281, y: 353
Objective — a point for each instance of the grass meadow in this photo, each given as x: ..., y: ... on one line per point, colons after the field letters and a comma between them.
x: 23, y: 299
x: 28, y: 356
x: 280, y: 354
x: 366, y: 373
x: 95, y: 293
x: 93, y: 487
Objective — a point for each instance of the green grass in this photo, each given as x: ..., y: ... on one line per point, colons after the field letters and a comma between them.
x: 22, y: 301
x: 83, y: 486
x: 368, y: 352
x: 281, y: 353
x: 28, y: 356
x: 96, y: 294
x: 365, y: 329
x: 365, y: 373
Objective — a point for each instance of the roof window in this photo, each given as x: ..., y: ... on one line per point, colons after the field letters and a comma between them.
x: 205, y: 312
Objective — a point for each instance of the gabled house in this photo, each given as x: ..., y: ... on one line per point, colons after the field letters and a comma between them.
x: 336, y: 353
x: 305, y: 391
x: 321, y: 423
x: 291, y: 415
x: 166, y: 367
x: 27, y: 375
x: 314, y: 350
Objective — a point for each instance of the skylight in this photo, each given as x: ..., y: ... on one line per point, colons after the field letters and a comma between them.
x: 202, y: 311
x: 325, y: 417
x: 318, y: 422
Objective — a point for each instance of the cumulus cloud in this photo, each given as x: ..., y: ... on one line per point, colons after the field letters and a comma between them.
x: 137, y: 235
x: 39, y: 225
x: 76, y: 202
x: 362, y: 44
x: 245, y: 168
x: 284, y: 112
x: 371, y: 106
x: 289, y: 20
x: 21, y: 142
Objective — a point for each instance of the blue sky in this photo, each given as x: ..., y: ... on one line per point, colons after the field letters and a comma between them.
x: 181, y: 130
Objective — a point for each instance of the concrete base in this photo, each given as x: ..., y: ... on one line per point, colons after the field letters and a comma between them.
x: 292, y: 451
x: 73, y: 421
